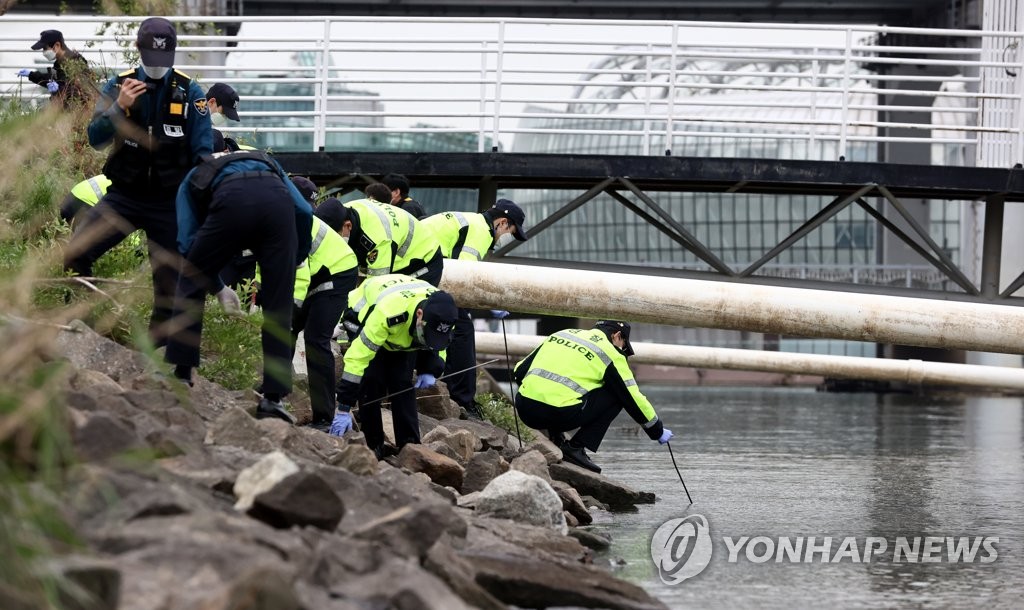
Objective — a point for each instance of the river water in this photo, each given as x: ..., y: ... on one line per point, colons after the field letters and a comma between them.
x: 785, y: 464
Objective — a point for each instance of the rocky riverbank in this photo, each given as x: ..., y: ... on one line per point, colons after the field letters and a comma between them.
x: 183, y: 500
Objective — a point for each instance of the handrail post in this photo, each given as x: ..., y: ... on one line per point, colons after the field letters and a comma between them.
x: 647, y: 101
x: 844, y: 121
x: 320, y: 124
x: 497, y: 84
x: 671, y: 92
x: 812, y: 153
x: 483, y: 96
x: 1018, y: 148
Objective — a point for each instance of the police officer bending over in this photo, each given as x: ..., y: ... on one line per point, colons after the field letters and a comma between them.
x: 322, y: 284
x: 580, y: 379
x: 155, y: 118
x: 230, y: 202
x: 395, y: 316
x: 468, y: 236
x: 385, y: 239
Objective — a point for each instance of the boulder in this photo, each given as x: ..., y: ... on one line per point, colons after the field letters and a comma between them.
x: 442, y: 561
x: 85, y: 583
x: 101, y: 436
x: 237, y: 428
x: 463, y: 443
x: 85, y: 349
x: 94, y: 382
x: 441, y: 470
x: 410, y: 531
x: 491, y: 436
x: 615, y: 495
x: 435, y: 402
x: 551, y: 453
x: 592, y: 540
x: 356, y: 458
x: 482, y: 469
x: 572, y: 502
x: 505, y: 537
x: 301, y: 499
x: 523, y: 498
x: 570, y: 521
x: 403, y: 585
x: 538, y: 582
x: 437, y: 434
x: 445, y: 450
x: 262, y: 477
x: 532, y: 462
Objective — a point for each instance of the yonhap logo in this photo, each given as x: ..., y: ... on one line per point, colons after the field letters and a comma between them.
x: 681, y: 548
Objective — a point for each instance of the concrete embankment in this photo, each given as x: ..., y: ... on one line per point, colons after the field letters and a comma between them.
x: 230, y: 512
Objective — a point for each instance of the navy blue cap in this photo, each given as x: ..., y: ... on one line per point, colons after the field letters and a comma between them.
x: 439, y: 315
x: 613, y: 326
x: 47, y: 38
x: 506, y: 208
x: 157, y: 41
x: 227, y: 98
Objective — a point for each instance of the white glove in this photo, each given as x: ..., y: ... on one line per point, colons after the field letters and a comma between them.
x: 229, y: 301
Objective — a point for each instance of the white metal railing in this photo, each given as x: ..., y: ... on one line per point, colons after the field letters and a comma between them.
x: 624, y: 87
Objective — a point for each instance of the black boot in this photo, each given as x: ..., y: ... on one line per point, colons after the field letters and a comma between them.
x: 272, y: 408
x: 578, y: 456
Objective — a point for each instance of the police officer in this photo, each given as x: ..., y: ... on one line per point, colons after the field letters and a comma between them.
x: 322, y: 285
x: 233, y: 201
x: 69, y: 80
x: 469, y: 236
x: 83, y: 196
x: 385, y: 239
x: 156, y: 120
x: 222, y: 102
x: 580, y: 379
x: 396, y: 315
x: 399, y: 186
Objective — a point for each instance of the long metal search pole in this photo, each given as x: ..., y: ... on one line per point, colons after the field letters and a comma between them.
x: 441, y: 378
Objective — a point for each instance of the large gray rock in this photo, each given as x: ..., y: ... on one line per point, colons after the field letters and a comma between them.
x: 86, y: 583
x: 94, y: 383
x: 442, y: 561
x: 482, y: 469
x: 504, y: 537
x: 261, y: 477
x: 537, y: 582
x: 85, y: 349
x: 524, y: 498
x: 301, y: 499
x: 551, y: 453
x: 101, y: 436
x: 463, y: 443
x: 356, y: 458
x: 237, y: 428
x: 532, y: 462
x: 442, y: 470
x: 435, y: 402
x: 410, y: 531
x: 491, y: 436
x: 615, y: 495
x: 572, y: 502
x: 401, y: 585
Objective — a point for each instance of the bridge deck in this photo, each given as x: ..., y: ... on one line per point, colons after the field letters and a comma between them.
x: 508, y: 170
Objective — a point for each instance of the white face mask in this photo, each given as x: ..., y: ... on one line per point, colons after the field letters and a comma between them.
x: 503, y: 241
x: 218, y: 119
x: 155, y: 73
x: 50, y: 54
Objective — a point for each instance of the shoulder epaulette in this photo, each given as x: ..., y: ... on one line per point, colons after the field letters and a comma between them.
x: 182, y: 74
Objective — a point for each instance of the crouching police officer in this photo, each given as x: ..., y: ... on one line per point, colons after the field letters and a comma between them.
x: 156, y: 121
x: 230, y: 202
x: 580, y: 379
x: 395, y: 315
x: 468, y: 236
x: 322, y: 284
x: 386, y: 239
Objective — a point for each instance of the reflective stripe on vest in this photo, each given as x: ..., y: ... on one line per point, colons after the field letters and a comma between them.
x: 370, y: 345
x: 404, y: 248
x: 320, y: 288
x: 384, y: 221
x: 361, y: 303
x: 96, y: 188
x: 472, y: 251
x: 559, y: 379
x: 346, y: 376
x: 321, y: 233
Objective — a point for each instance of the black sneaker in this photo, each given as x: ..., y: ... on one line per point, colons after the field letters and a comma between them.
x: 269, y: 408
x: 578, y: 456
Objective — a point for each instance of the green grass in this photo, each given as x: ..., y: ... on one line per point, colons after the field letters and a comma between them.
x: 497, y: 409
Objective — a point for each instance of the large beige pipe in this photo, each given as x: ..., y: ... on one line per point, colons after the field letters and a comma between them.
x: 916, y: 372
x: 707, y: 304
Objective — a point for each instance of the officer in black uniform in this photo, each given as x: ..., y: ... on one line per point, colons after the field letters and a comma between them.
x: 156, y: 120
x: 69, y: 80
x: 399, y: 186
x: 230, y: 202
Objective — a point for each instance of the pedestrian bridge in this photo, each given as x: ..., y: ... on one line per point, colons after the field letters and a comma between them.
x: 902, y: 144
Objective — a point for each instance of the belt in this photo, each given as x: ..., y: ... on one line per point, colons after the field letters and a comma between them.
x: 240, y: 175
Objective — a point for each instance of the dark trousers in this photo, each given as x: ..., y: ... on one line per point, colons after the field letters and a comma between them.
x: 114, y: 218
x: 389, y: 372
x: 461, y: 355
x: 592, y: 416
x: 316, y: 319
x: 258, y: 214
x: 72, y: 207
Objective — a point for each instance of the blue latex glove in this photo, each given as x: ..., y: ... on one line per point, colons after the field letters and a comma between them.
x: 666, y: 436
x: 499, y: 314
x: 52, y: 86
x: 342, y: 423
x: 24, y: 72
x: 426, y: 380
